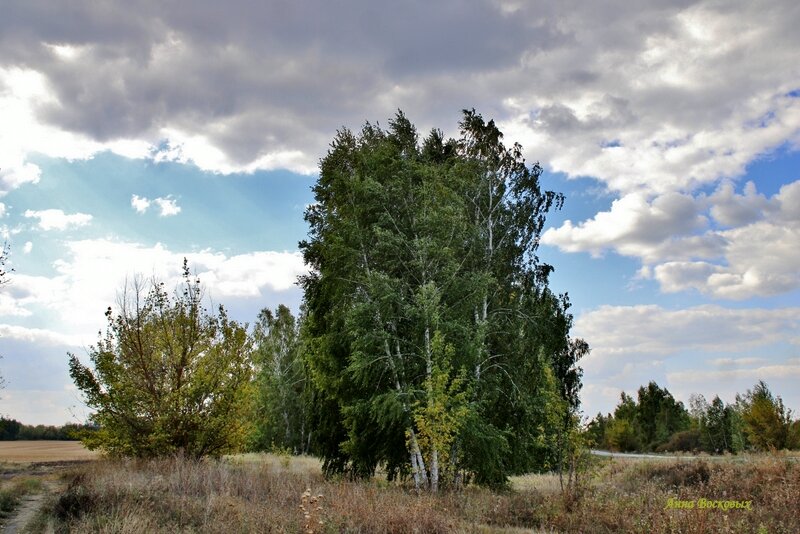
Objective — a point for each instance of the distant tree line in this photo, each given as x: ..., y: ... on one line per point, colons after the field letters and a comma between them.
x: 656, y: 422
x: 11, y: 430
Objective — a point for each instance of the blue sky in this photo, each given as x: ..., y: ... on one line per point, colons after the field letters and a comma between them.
x: 133, y: 135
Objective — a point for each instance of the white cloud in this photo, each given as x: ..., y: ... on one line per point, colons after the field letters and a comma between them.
x: 168, y: 206
x: 94, y: 271
x: 653, y: 96
x: 651, y: 330
x: 23, y: 92
x: 704, y: 349
x: 27, y: 247
x: 12, y: 307
x: 54, y: 219
x: 735, y: 362
x: 140, y: 204
x: 750, y: 375
x: 731, y: 209
x: 38, y: 336
x: 671, y: 235
x: 633, y: 226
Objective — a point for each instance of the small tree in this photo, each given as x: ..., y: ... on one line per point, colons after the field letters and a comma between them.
x: 766, y: 420
x: 168, y: 376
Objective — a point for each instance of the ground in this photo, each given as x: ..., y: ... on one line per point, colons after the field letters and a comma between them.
x: 30, y: 470
x: 274, y: 493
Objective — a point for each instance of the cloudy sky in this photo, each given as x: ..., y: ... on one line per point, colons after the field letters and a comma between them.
x: 133, y: 134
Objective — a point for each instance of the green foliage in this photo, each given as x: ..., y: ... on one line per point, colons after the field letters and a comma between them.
x: 686, y: 440
x: 11, y: 429
x: 622, y: 435
x: 758, y: 420
x: 719, y: 427
x: 659, y: 415
x: 282, y: 419
x: 767, y: 422
x: 441, y: 416
x: 423, y: 249
x: 168, y: 376
x: 646, y: 424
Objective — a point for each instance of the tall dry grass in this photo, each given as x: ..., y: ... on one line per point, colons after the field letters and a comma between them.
x: 259, y: 493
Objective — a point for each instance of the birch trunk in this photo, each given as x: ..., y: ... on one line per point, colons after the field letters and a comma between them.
x: 418, y: 463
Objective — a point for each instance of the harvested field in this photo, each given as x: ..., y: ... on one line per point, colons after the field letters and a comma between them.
x: 44, y: 451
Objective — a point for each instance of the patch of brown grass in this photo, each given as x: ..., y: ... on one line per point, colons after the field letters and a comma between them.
x: 267, y: 494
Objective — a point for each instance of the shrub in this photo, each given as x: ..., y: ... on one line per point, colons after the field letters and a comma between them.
x: 168, y: 376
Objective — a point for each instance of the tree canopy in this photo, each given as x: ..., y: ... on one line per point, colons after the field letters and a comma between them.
x: 434, y: 342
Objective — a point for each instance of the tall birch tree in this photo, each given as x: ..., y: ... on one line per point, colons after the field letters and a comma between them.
x: 432, y: 333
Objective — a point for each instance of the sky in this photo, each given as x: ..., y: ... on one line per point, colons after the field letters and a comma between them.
x: 134, y: 134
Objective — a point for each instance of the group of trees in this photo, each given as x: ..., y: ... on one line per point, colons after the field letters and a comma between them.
x: 640, y: 424
x: 757, y: 421
x: 435, y: 344
x: 11, y: 430
x: 429, y: 342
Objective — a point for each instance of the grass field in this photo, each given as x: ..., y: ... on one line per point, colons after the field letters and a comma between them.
x: 266, y: 493
x: 43, y: 451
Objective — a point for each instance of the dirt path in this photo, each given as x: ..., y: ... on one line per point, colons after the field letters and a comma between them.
x: 28, y: 507
x: 30, y: 504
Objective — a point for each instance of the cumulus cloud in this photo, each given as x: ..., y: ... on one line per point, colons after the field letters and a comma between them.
x: 749, y: 250
x: 654, y: 330
x: 686, y: 350
x: 86, y: 281
x: 656, y: 95
x: 633, y: 226
x: 731, y: 209
x: 54, y: 219
x: 167, y: 206
x: 38, y: 336
x: 27, y: 247
x: 23, y: 91
x: 140, y: 204
x: 654, y: 99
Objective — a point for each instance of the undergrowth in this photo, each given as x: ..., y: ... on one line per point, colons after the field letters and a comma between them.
x: 178, y: 495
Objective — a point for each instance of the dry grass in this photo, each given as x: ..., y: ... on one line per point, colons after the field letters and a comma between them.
x: 263, y: 493
x: 543, y: 483
x: 44, y: 451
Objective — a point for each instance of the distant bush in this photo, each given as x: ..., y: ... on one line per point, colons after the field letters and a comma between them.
x: 686, y: 441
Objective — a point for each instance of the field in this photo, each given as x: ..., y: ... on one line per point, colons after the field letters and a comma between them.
x: 43, y: 451
x: 265, y: 493
x: 269, y: 493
